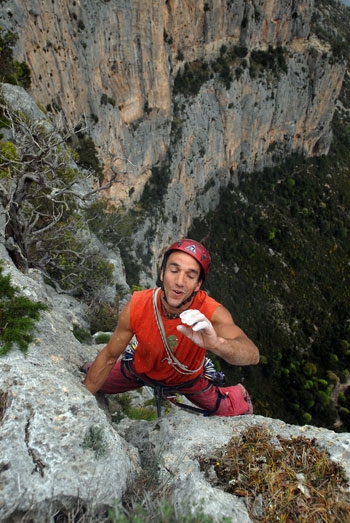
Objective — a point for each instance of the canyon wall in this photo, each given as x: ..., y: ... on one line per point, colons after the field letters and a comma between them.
x: 115, y: 64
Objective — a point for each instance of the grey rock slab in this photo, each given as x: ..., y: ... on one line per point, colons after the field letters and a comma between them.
x: 179, y: 440
x: 45, y: 453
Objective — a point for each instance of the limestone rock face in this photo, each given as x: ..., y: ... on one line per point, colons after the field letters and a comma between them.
x: 54, y: 439
x: 115, y: 63
x: 183, y: 439
x: 60, y: 449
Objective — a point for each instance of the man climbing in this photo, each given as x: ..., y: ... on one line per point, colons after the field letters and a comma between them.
x: 174, y: 325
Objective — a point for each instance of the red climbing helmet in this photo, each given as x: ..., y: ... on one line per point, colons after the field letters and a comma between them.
x: 194, y: 249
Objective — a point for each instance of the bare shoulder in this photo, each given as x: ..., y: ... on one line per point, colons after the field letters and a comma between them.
x: 123, y: 333
x: 224, y: 324
x: 124, y: 316
x: 221, y: 314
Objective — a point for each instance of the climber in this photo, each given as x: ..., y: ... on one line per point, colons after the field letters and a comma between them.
x: 174, y: 325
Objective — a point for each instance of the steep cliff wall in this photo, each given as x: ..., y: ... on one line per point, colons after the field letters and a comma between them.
x: 116, y: 63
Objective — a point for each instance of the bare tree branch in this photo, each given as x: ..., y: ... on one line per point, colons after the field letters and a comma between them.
x: 39, y: 193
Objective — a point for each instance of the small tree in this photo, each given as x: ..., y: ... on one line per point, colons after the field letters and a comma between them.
x: 43, y: 201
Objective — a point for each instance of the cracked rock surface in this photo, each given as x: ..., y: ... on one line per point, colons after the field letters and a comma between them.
x: 59, y: 446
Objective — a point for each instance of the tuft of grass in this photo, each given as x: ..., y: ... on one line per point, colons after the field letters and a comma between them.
x: 120, y: 406
x: 148, y: 498
x: 138, y: 413
x: 282, y: 479
x: 102, y: 338
x: 94, y: 440
x: 163, y: 511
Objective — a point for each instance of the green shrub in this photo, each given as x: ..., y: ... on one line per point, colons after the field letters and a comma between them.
x: 105, y: 99
x: 156, y: 188
x: 87, y: 154
x: 103, y: 317
x: 18, y: 315
x: 272, y: 59
x: 189, y: 80
x: 102, y: 338
x: 11, y: 71
x: 82, y: 335
x: 121, y: 407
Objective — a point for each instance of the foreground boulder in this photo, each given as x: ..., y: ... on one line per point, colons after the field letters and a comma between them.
x: 181, y: 440
x: 60, y: 449
x: 56, y: 444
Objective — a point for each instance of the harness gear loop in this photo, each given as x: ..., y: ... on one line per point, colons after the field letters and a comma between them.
x: 163, y: 391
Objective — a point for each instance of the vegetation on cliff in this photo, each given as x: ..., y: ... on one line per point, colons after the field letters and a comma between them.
x: 281, y: 265
x: 43, y: 207
x: 12, y: 71
x: 279, y: 241
x: 18, y: 315
x: 280, y: 251
x: 280, y: 246
x: 281, y: 479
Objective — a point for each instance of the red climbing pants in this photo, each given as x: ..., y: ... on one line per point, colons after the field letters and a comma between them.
x: 203, y: 393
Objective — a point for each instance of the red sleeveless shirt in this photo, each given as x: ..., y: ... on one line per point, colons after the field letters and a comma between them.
x: 150, y: 355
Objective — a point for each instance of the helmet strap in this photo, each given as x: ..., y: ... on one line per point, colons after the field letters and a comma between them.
x: 183, y: 302
x: 190, y: 298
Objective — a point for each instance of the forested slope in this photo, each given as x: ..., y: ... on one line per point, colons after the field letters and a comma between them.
x: 280, y: 245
